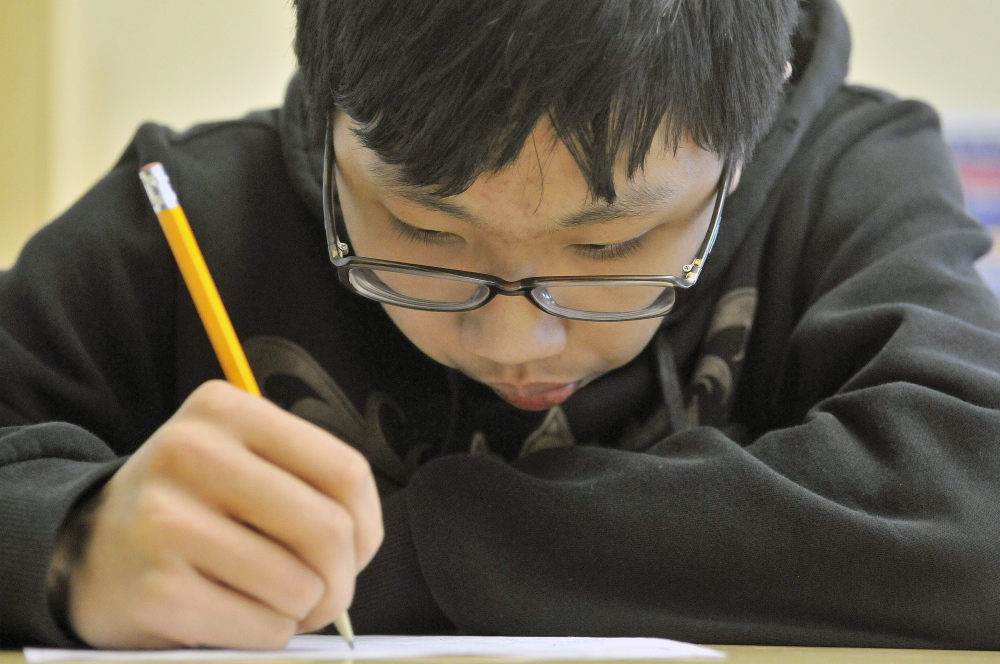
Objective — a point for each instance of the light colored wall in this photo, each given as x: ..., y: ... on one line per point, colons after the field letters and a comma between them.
x: 78, y: 76
x: 23, y: 122
x: 177, y: 62
x: 946, y: 52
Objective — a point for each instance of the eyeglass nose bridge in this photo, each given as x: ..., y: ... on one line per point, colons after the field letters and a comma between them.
x: 525, y: 290
x: 513, y: 289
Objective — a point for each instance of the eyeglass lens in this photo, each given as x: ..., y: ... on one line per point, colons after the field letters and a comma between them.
x: 424, y: 288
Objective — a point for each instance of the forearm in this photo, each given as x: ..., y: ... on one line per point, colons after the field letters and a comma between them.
x: 698, y: 540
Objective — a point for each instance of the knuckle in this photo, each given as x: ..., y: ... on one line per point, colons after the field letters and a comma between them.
x: 163, y: 523
x: 157, y: 596
x: 311, y: 590
x: 360, y: 467
x: 185, y: 450
x: 274, y: 633
x: 214, y: 399
x: 374, y: 542
x: 303, y: 595
x: 335, y: 523
x: 360, y: 493
x: 157, y: 517
x: 357, y: 474
x: 369, y: 540
x: 175, y: 448
x: 337, y: 599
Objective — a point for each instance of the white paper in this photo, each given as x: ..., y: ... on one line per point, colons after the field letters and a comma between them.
x: 403, y: 647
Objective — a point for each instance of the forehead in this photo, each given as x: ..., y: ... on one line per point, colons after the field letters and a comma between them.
x: 544, y: 181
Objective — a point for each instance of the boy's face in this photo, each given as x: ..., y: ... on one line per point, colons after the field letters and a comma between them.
x: 535, y: 218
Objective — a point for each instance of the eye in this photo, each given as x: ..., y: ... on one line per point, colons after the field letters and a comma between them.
x: 608, y: 252
x: 421, y: 235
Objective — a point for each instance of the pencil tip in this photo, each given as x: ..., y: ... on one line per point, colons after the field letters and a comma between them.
x: 343, y: 624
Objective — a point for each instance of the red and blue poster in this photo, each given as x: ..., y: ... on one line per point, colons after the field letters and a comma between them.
x: 975, y: 141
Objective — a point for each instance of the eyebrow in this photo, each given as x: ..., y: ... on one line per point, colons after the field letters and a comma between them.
x: 638, y: 202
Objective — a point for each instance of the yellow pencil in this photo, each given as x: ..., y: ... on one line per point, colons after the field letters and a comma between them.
x: 206, y: 298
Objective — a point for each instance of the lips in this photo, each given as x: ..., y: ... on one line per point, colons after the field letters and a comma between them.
x: 535, y: 396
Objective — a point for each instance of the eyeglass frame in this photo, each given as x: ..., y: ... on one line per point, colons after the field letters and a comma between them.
x: 344, y: 263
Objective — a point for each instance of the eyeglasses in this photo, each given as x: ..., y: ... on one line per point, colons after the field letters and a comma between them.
x: 593, y: 298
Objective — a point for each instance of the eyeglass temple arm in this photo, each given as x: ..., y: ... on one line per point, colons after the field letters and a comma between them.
x: 693, y: 270
x: 337, y: 248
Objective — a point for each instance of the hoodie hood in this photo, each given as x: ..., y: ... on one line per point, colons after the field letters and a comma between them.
x: 302, y: 147
x: 822, y: 53
x: 702, y: 341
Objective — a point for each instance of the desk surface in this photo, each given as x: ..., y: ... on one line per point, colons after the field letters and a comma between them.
x: 741, y: 655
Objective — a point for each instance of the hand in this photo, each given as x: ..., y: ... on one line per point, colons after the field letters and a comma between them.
x: 236, y: 524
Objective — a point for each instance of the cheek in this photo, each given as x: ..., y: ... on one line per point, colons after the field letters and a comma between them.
x: 432, y: 332
x: 616, y: 344
x: 592, y: 349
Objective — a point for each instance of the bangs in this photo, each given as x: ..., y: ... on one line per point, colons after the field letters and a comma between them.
x: 449, y: 91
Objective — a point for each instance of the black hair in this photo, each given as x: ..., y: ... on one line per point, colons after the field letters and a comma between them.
x: 447, y: 90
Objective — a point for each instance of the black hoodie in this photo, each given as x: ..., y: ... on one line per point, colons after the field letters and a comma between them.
x: 807, y: 453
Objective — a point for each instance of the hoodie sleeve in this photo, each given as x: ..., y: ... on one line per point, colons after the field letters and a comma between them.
x: 864, y: 511
x: 85, y: 335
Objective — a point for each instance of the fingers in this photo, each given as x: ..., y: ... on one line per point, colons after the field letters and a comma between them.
x: 235, y: 524
x: 310, y: 526
x: 288, y: 479
x: 332, y: 467
x: 240, y: 558
x: 186, y: 609
x: 155, y: 572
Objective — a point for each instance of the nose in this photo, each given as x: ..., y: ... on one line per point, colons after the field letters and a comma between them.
x: 512, y: 331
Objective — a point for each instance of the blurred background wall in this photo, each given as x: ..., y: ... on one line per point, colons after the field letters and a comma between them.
x: 77, y: 77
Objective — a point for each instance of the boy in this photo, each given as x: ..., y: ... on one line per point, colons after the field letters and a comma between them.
x: 800, y: 449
